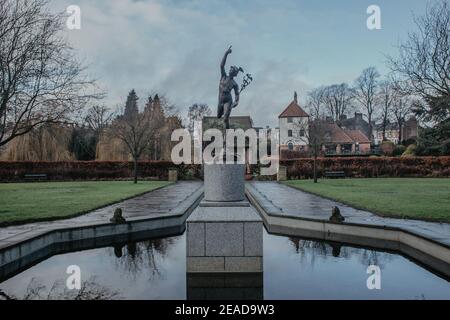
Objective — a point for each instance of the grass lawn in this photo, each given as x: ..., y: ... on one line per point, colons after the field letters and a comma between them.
x: 416, y: 198
x: 26, y: 202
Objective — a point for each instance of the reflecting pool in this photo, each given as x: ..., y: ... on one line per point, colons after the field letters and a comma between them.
x: 293, y: 268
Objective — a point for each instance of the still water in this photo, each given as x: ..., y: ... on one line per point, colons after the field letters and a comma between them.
x: 294, y: 268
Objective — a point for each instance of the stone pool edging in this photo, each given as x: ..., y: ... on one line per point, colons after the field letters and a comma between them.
x: 426, y: 251
x: 25, y: 248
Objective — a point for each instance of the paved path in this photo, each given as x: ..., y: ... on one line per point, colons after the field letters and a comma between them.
x: 159, y: 202
x: 293, y: 202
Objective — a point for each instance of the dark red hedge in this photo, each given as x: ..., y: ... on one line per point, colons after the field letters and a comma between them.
x: 371, y: 167
x: 92, y: 170
x: 299, y: 168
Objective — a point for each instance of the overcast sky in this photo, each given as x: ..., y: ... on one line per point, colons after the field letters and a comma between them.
x: 174, y: 47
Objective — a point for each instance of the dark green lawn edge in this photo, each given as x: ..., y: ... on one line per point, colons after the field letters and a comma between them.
x: 378, y: 213
x: 76, y: 214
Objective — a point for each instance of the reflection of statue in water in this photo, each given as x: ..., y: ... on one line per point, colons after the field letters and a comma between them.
x: 227, y: 84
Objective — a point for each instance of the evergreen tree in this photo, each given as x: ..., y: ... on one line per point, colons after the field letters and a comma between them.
x: 155, y: 110
x: 131, y: 107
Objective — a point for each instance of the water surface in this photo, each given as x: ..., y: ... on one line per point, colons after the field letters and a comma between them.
x: 294, y: 268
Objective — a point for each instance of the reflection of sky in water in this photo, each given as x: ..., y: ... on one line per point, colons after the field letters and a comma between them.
x: 312, y: 272
x: 132, y: 278
x: 293, y: 269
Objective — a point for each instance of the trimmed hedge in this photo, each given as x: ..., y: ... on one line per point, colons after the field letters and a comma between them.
x: 361, y: 167
x: 358, y: 167
x: 94, y: 170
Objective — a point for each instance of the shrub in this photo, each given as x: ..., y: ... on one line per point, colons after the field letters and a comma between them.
x: 387, y: 148
x: 398, y: 150
x: 410, y: 151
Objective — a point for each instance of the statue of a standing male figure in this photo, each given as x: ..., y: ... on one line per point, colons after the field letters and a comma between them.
x: 227, y: 84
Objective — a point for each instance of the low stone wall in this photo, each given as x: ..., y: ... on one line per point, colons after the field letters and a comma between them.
x: 427, y: 251
x: 20, y: 251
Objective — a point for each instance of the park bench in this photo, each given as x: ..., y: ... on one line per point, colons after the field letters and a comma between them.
x: 35, y: 176
x: 334, y: 174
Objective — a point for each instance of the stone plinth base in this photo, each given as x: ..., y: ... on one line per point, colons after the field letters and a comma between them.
x: 224, y: 239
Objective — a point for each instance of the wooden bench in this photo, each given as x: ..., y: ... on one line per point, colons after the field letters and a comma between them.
x: 35, y: 176
x: 334, y: 174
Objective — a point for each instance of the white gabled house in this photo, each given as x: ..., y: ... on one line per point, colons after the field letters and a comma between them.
x: 293, y: 123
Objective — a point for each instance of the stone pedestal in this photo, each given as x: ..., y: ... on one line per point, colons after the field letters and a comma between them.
x: 224, y: 233
x: 224, y: 240
x: 224, y: 182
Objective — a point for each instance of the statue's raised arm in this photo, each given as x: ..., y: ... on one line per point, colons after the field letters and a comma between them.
x: 224, y: 61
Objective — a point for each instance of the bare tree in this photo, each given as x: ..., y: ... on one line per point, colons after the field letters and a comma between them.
x: 137, y: 132
x: 316, y: 101
x: 41, y: 81
x: 337, y: 99
x: 401, y: 108
x: 316, y: 139
x: 365, y: 91
x: 423, y: 64
x: 98, y: 118
x: 170, y: 109
x: 196, y: 113
x: 387, y: 95
x: 314, y: 132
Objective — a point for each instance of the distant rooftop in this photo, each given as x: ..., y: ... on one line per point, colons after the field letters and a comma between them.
x: 335, y: 134
x: 293, y: 110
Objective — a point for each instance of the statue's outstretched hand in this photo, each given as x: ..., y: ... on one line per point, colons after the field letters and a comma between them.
x: 229, y: 50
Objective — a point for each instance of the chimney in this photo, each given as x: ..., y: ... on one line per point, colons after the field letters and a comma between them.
x: 343, y: 117
x: 358, y: 116
x: 295, y: 97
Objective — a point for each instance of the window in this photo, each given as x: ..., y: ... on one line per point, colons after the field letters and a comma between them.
x: 290, y: 146
x: 290, y: 120
x: 289, y: 133
x: 302, y: 132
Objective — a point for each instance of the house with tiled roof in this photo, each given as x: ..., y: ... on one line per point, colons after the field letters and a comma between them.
x: 355, y: 123
x: 293, y: 124
x: 341, y: 141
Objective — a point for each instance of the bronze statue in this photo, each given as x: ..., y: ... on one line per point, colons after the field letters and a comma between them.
x: 227, y: 84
